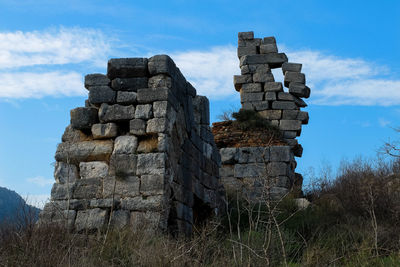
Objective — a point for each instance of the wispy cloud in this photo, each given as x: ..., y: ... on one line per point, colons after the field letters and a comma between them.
x: 37, y: 85
x: 211, y: 71
x: 40, y: 181
x: 333, y: 80
x: 52, y: 47
x: 347, y: 81
x: 43, y: 63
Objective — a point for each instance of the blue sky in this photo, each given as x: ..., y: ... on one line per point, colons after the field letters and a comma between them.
x: 349, y: 51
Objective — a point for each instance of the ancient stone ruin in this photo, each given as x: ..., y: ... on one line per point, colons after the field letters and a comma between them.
x: 139, y: 154
x: 254, y: 163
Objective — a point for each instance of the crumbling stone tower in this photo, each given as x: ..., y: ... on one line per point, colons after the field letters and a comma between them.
x: 267, y: 168
x: 140, y: 153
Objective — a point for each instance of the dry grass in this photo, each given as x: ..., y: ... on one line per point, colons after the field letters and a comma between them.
x: 353, y: 221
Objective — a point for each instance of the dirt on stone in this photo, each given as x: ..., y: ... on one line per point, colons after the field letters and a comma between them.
x: 227, y: 134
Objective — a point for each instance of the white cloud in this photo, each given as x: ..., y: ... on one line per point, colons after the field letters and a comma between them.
x: 37, y: 85
x: 211, y: 72
x: 38, y: 64
x: 333, y: 80
x: 40, y: 181
x: 347, y: 81
x: 52, y: 47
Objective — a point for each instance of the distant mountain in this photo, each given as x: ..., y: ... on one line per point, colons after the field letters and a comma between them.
x: 13, y: 207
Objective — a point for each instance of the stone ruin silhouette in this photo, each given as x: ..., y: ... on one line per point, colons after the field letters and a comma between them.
x: 265, y: 168
x: 141, y: 153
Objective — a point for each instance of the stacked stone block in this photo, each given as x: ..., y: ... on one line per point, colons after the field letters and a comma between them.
x: 139, y: 154
x: 259, y: 91
x: 260, y: 173
x: 273, y: 165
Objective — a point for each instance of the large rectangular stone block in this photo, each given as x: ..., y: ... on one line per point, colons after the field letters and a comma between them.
x: 65, y: 173
x: 96, y: 79
x: 249, y: 170
x: 277, y: 169
x: 62, y: 191
x: 156, y: 125
x: 146, y: 221
x: 290, y: 125
x: 160, y: 80
x: 150, y: 95
x: 253, y: 68
x: 269, y: 40
x: 120, y: 219
x: 246, y: 35
x: 97, y: 150
x: 116, y: 113
x: 260, y: 105
x: 104, y: 203
x: 83, y: 118
x: 303, y: 117
x: 299, y: 90
x: 123, y: 165
x: 102, y: 94
x: 137, y: 127
x: 251, y: 88
x: 253, y: 154
x: 129, y: 84
x: 201, y: 106
x: 249, y: 42
x: 229, y: 155
x: 290, y: 114
x: 93, y: 169
x: 162, y: 64
x: 151, y: 163
x: 296, y: 77
x: 271, y: 114
x: 273, y: 87
x: 263, y: 77
x: 238, y: 80
x: 284, y: 96
x: 289, y: 134
x: 126, y: 98
x: 281, y: 153
x: 284, y: 105
x: 268, y: 48
x: 274, y: 60
x: 121, y: 188
x: 150, y: 203
x: 127, y: 67
x: 270, y: 96
x: 93, y: 219
x: 104, y: 131
x: 88, y: 188
x: 294, y: 67
x: 144, y: 111
x: 251, y: 97
x: 246, y: 50
x: 151, y: 185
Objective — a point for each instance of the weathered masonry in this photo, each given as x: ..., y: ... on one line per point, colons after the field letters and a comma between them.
x: 139, y: 154
x: 266, y: 169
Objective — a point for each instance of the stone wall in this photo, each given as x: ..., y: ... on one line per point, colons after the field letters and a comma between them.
x: 139, y: 154
x: 267, y: 168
